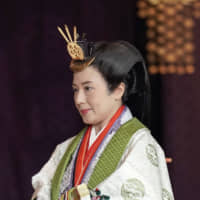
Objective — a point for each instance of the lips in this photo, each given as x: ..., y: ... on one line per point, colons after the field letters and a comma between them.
x: 84, y: 111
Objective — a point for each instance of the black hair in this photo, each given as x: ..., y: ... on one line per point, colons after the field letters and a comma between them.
x: 121, y: 62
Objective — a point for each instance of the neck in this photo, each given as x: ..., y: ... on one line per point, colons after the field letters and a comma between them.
x: 99, y: 126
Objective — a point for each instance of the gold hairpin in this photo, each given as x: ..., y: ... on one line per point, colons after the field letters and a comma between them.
x: 74, y: 50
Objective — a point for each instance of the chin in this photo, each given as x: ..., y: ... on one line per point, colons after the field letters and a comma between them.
x: 87, y: 121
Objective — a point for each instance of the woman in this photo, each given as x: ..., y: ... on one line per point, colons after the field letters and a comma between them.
x: 115, y: 155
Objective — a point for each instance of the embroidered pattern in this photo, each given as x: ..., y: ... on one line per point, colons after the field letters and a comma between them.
x: 166, y: 195
x: 132, y: 189
x: 152, y: 154
x: 97, y: 195
x: 67, y: 180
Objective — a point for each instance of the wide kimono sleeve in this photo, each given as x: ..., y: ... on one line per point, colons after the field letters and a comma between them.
x: 41, y: 181
x: 142, y: 172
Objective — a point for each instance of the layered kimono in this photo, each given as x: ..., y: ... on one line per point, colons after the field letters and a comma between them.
x: 128, y: 164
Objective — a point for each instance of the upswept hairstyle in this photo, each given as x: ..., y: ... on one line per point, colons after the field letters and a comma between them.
x: 121, y: 62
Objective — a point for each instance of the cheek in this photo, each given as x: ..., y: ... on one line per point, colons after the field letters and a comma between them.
x: 93, y: 99
x: 93, y: 103
x: 100, y: 105
x: 100, y: 102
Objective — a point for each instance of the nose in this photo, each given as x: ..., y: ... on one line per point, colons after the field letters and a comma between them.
x: 79, y: 97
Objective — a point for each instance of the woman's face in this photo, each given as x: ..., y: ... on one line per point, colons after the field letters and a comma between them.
x: 95, y: 103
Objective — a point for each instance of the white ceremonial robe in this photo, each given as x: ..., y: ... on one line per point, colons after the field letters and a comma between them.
x: 141, y: 173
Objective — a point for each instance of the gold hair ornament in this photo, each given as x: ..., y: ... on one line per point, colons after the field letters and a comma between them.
x: 79, y: 62
x: 74, y: 50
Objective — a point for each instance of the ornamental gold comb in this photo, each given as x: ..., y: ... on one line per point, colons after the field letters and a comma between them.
x: 74, y: 50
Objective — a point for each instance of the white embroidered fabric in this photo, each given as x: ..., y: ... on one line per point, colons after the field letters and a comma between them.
x: 43, y: 178
x: 141, y: 174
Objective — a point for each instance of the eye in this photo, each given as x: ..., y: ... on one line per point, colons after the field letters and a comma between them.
x: 74, y: 90
x: 88, y: 88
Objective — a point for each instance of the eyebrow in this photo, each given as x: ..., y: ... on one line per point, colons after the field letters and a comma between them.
x: 83, y: 83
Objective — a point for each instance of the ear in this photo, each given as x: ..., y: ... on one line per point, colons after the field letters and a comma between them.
x: 119, y: 91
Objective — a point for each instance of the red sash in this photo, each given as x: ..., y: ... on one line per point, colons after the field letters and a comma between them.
x: 85, y: 155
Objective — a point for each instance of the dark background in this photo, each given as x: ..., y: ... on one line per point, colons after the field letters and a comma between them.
x: 36, y: 106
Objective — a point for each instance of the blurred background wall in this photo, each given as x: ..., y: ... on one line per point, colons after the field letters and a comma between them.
x: 36, y: 105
